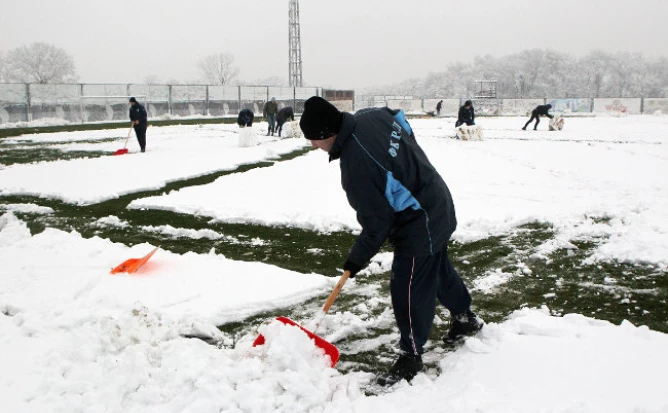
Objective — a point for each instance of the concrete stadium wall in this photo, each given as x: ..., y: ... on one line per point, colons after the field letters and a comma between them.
x: 574, y: 105
x: 652, y: 105
x: 519, y: 107
x: 407, y: 105
x: 450, y: 106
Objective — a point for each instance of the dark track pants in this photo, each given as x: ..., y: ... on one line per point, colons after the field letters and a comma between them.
x: 140, y: 130
x: 415, y: 285
x: 534, y: 115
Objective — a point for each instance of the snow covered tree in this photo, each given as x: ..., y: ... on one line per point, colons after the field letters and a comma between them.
x: 40, y: 63
x: 218, y: 70
x: 152, y: 80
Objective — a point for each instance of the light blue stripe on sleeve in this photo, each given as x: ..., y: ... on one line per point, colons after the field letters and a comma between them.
x: 401, y: 118
x: 398, y: 195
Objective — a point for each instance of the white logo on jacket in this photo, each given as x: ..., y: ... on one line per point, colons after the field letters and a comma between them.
x: 396, y: 135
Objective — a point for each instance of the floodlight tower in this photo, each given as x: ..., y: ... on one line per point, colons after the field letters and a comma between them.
x: 295, y: 71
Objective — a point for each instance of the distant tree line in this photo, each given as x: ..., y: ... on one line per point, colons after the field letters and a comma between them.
x: 539, y: 73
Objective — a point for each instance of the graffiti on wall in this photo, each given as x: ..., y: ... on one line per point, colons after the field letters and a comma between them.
x: 618, y: 106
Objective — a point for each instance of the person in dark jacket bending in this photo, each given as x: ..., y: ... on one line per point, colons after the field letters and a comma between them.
x: 540, y: 110
x: 282, y: 116
x: 139, y: 120
x: 245, y: 118
x: 466, y: 115
x: 397, y: 194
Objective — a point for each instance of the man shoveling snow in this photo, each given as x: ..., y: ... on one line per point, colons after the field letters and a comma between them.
x: 397, y: 194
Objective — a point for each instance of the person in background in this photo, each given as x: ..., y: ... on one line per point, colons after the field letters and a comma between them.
x: 541, y: 110
x: 439, y: 105
x: 139, y: 121
x: 283, y: 116
x: 245, y: 118
x: 466, y: 115
x: 269, y: 112
x: 397, y: 194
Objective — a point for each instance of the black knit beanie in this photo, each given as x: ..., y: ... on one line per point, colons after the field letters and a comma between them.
x: 320, y: 120
x: 132, y: 99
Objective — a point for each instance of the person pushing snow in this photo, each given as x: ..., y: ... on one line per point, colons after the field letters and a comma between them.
x: 397, y: 194
x: 541, y: 110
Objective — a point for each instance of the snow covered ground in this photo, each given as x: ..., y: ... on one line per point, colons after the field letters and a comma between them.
x: 75, y: 339
x: 173, y: 153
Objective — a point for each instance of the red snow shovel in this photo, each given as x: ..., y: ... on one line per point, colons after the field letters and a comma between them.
x: 125, y: 147
x: 131, y: 265
x: 328, y: 347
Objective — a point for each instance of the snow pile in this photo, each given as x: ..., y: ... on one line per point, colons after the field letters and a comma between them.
x: 27, y: 209
x: 247, y: 137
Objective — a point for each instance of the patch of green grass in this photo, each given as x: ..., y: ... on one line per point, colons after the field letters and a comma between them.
x: 11, y: 132
x: 43, y: 154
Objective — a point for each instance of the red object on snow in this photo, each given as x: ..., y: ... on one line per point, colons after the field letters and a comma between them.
x: 328, y: 347
x: 131, y: 265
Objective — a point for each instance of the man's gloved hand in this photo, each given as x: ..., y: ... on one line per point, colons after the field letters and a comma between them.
x: 352, y: 267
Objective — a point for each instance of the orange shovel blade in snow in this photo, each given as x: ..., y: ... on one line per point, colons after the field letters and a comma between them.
x: 328, y: 347
x: 131, y: 265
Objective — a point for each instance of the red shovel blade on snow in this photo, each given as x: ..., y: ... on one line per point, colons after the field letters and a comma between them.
x: 125, y: 147
x: 131, y: 265
x: 328, y: 347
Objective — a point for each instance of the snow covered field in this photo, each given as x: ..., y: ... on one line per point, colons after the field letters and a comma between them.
x: 75, y: 339
x: 602, y: 167
x: 174, y: 153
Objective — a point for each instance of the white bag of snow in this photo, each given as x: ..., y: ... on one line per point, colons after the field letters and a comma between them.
x: 557, y: 122
x: 469, y: 133
x: 247, y: 137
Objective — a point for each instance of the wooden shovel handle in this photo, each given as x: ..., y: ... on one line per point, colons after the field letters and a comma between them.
x: 335, y: 292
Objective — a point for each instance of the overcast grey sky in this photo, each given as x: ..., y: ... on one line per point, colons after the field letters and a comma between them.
x: 345, y: 43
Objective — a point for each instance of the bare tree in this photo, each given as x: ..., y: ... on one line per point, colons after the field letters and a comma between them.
x: 217, y: 68
x: 40, y: 63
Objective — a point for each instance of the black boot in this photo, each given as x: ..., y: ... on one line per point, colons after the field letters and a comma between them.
x: 405, y: 368
x: 462, y: 325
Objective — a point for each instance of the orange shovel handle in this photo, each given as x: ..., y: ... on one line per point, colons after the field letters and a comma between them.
x: 128, y: 138
x: 335, y: 292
